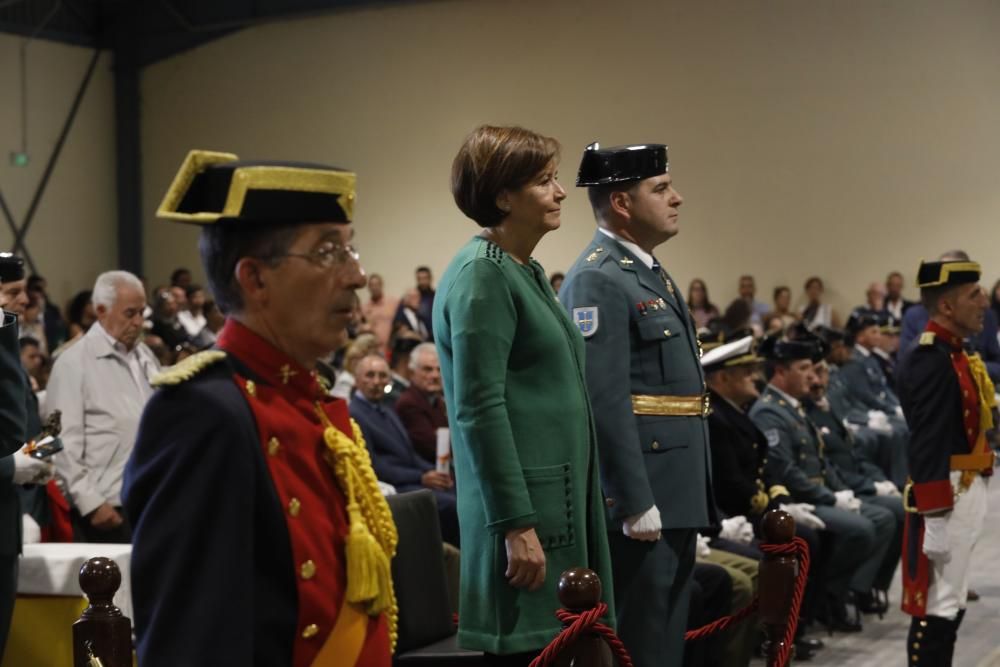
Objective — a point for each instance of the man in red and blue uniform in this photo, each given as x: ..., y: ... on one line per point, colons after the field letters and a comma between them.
x: 248, y: 481
x: 947, y: 398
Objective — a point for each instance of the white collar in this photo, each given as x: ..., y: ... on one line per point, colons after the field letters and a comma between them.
x: 791, y: 401
x: 643, y: 256
x: 113, y: 342
x: 865, y: 352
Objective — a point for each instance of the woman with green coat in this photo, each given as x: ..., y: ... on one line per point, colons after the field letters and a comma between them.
x: 529, y: 499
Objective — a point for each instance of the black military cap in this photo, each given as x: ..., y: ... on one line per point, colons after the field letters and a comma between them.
x: 214, y: 188
x: 778, y: 349
x: 829, y: 335
x: 949, y: 273
x: 861, y: 319
x: 11, y: 268
x: 620, y: 164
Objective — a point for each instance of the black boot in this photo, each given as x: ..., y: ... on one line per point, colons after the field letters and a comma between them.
x: 931, y: 641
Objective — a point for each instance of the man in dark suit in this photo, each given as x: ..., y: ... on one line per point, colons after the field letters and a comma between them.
x: 421, y: 406
x: 894, y: 304
x: 647, y: 390
x: 393, y: 457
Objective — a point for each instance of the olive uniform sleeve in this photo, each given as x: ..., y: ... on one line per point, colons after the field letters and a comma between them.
x: 782, y: 461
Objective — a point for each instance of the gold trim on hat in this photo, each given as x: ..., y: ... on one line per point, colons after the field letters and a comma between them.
x: 195, y: 163
x: 292, y: 179
x: 947, y: 268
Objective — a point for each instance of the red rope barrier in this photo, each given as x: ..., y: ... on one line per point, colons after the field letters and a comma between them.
x: 577, y: 625
x: 798, y: 547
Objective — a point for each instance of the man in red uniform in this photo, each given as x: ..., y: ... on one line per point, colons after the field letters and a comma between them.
x: 260, y: 535
x: 947, y: 398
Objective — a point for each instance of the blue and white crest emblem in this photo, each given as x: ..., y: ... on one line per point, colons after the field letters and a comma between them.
x: 586, y: 320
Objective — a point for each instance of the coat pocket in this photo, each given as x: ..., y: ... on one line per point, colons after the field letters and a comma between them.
x: 551, y: 492
x: 661, y: 337
x: 658, y: 434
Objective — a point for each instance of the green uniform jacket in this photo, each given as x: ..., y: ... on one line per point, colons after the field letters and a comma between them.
x: 866, y: 381
x: 795, y: 457
x: 523, y: 443
x: 839, y: 449
x: 633, y: 349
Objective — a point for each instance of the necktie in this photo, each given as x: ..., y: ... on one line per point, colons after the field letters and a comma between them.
x: 658, y: 270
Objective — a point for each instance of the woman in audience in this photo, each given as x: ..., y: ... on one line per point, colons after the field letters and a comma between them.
x: 783, y: 306
x: 512, y: 363
x: 192, y: 316
x: 703, y: 310
x: 816, y: 313
x: 80, y: 314
x: 357, y: 350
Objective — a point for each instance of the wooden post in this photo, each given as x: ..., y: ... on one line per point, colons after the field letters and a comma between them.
x: 102, y: 637
x: 580, y: 591
x: 777, y: 582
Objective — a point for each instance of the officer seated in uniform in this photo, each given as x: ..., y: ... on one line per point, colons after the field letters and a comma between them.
x: 795, y: 460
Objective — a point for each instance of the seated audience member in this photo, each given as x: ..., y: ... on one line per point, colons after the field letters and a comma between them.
x: 31, y: 322
x: 80, y: 315
x: 795, y: 459
x: 180, y: 277
x: 192, y: 317
x: 380, y: 309
x: 702, y: 309
x: 748, y: 293
x: 815, y: 313
x: 556, y: 281
x: 101, y: 385
x: 55, y: 325
x: 863, y: 373
x: 402, y: 347
x: 357, y: 349
x: 783, y: 306
x: 867, y: 480
x: 408, y: 318
x: 895, y: 304
x: 425, y: 286
x: 393, y: 457
x: 33, y: 361
x: 165, y: 322
x: 359, y: 324
x: 421, y: 406
x: 737, y: 318
x: 874, y: 298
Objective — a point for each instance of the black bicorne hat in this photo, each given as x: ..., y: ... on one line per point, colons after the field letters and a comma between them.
x: 949, y: 273
x: 620, y: 164
x: 215, y: 188
x: 779, y: 349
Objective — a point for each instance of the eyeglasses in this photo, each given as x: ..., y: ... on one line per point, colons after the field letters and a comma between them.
x: 327, y: 255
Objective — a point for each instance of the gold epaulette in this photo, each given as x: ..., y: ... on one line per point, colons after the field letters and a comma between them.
x: 187, y: 369
x: 927, y: 338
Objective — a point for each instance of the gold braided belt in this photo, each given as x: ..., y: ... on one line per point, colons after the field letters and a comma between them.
x: 671, y: 406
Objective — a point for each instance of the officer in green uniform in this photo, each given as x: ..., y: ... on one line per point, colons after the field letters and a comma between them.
x: 648, y: 392
x: 866, y: 479
x: 796, y: 460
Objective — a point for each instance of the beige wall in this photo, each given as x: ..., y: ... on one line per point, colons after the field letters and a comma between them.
x: 73, y: 235
x: 834, y: 138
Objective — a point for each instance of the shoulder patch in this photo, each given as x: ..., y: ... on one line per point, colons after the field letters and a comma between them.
x: 187, y: 369
x: 773, y: 437
x: 927, y: 338
x: 586, y: 320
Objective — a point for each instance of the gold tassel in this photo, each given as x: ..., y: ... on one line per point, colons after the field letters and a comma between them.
x: 372, y: 538
x: 987, y: 392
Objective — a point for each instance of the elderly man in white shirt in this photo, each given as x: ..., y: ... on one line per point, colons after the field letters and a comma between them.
x: 101, y: 385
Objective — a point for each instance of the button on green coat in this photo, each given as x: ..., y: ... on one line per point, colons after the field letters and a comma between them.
x: 523, y: 443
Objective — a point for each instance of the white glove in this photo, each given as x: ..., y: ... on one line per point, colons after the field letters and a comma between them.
x: 846, y: 501
x: 645, y: 526
x: 803, y: 514
x: 29, y: 470
x: 899, y: 410
x: 386, y: 488
x: 879, y: 421
x: 737, y: 529
x: 886, y: 488
x: 31, y: 531
x: 703, y: 550
x: 936, y: 539
x: 852, y: 427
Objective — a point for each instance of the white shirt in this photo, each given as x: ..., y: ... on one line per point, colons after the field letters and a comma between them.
x: 865, y: 352
x: 193, y: 324
x: 643, y: 256
x: 101, y: 389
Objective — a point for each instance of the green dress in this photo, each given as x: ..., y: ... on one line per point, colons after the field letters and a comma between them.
x: 523, y: 443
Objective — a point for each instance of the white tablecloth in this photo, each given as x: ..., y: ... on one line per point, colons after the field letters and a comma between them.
x: 54, y: 569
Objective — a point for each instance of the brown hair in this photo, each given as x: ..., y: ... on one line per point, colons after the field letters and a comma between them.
x: 494, y: 159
